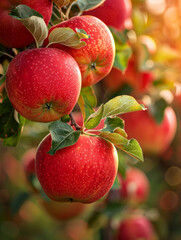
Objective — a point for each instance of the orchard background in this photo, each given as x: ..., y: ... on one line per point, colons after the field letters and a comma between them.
x: 144, y: 201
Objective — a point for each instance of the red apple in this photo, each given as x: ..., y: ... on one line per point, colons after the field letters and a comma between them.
x: 96, y: 58
x: 139, y: 81
x: 113, y: 14
x: 13, y: 33
x: 135, y: 187
x: 153, y: 137
x: 43, y: 84
x: 135, y: 227
x: 83, y: 172
x: 63, y: 210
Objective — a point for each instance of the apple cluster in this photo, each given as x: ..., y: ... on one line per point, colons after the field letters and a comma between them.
x: 43, y: 84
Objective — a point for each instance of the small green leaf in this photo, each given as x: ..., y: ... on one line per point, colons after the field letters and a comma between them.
x: 87, y: 101
x: 62, y: 136
x: 122, y: 56
x: 66, y: 36
x: 131, y: 146
x: 18, y: 201
x: 82, y: 33
x: 33, y: 21
x: 88, y: 5
x: 112, y: 123
x: 121, y: 163
x: 65, y: 118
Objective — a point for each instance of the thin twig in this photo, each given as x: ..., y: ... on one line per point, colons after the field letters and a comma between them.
x: 73, y: 122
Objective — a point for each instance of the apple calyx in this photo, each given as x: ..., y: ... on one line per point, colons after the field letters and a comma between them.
x: 93, y: 66
x: 47, y: 106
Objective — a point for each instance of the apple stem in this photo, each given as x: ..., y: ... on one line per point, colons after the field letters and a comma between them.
x: 73, y: 122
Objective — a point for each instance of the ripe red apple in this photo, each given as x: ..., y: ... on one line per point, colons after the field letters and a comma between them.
x: 83, y: 172
x: 96, y: 58
x: 139, y: 81
x: 63, y: 210
x: 13, y: 33
x: 135, y: 187
x: 113, y: 14
x: 135, y: 227
x: 153, y: 137
x: 43, y: 84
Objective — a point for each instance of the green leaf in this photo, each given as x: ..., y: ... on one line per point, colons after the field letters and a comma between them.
x: 157, y: 109
x: 67, y: 37
x: 65, y: 118
x: 121, y: 104
x: 23, y: 11
x: 95, y: 118
x: 131, y: 146
x: 18, y: 201
x: 122, y: 56
x: 88, y: 5
x: 9, y: 126
x: 33, y: 21
x: 116, y: 106
x: 112, y: 123
x: 62, y: 136
x: 121, y: 163
x: 87, y: 101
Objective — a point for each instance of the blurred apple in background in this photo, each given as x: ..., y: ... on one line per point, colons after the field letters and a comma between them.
x: 139, y: 81
x: 153, y: 137
x: 135, y: 227
x: 13, y: 33
x: 135, y: 187
x: 113, y: 15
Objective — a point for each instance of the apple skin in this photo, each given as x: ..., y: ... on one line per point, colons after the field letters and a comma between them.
x: 135, y: 187
x: 153, y: 138
x: 139, y: 81
x: 113, y: 15
x: 96, y: 59
x: 43, y: 84
x: 135, y: 227
x: 83, y: 172
x: 13, y: 33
